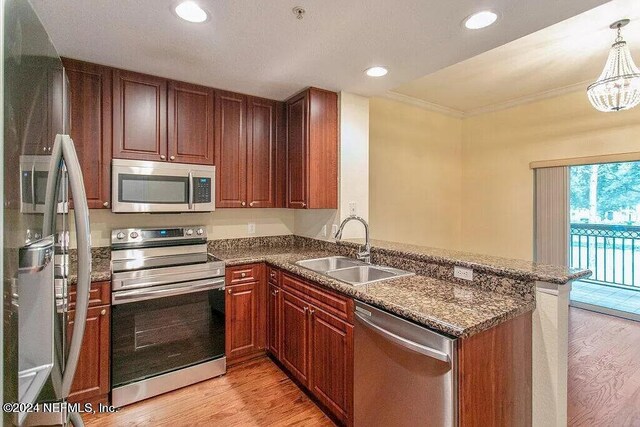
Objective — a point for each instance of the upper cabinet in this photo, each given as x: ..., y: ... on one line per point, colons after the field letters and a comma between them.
x: 312, y: 150
x: 247, y: 151
x: 139, y: 116
x: 190, y: 123
x: 231, y: 150
x: 90, y: 126
x: 261, y: 153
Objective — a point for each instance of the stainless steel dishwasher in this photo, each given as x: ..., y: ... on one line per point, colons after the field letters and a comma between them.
x: 404, y: 374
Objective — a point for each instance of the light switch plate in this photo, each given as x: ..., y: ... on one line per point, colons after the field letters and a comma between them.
x: 334, y: 229
x: 463, y: 273
x: 353, y: 208
x: 251, y: 228
x: 324, y: 231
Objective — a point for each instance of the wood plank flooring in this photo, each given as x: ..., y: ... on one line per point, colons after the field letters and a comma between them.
x: 257, y: 393
x: 604, y: 370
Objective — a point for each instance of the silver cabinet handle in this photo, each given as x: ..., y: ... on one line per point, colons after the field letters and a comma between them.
x: 304, y: 205
x: 408, y: 344
x: 243, y: 274
x: 229, y: 291
x: 243, y: 203
x: 162, y: 156
x: 172, y: 158
x: 190, y: 190
x: 306, y: 309
x: 103, y: 312
x: 105, y: 204
x: 251, y: 204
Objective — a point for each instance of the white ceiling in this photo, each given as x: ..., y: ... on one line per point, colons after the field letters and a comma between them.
x: 258, y: 47
x: 566, y: 56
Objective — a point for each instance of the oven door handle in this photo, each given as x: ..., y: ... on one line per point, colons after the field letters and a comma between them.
x: 125, y: 297
x: 190, y: 190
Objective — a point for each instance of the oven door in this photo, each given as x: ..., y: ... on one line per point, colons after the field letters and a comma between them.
x: 162, y: 329
x: 142, y: 186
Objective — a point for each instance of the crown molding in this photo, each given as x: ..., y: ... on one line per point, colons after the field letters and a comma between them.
x: 425, y: 105
x: 529, y: 98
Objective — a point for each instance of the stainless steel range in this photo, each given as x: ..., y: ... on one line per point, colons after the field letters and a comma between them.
x: 167, y: 328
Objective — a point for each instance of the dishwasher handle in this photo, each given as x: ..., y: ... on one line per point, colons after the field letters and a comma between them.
x: 408, y: 344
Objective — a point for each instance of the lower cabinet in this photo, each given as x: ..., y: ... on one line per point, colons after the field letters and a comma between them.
x: 316, y: 342
x: 91, y: 381
x: 245, y: 313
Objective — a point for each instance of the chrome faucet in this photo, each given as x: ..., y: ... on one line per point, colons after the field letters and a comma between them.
x: 364, y: 253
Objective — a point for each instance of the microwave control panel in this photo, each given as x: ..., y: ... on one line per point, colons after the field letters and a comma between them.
x: 201, y: 190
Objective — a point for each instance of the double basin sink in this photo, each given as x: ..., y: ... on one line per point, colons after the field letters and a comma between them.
x: 351, y: 270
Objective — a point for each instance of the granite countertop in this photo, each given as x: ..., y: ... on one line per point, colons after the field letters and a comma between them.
x: 454, y: 309
x: 100, y: 265
x: 521, y: 269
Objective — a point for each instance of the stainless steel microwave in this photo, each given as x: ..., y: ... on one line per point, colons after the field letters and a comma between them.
x: 141, y: 186
x: 34, y: 171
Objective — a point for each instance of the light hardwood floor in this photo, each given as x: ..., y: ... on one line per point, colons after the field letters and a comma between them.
x: 604, y: 370
x: 257, y: 393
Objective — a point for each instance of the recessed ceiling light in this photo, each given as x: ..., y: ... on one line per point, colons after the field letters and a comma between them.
x: 480, y: 20
x: 376, y: 71
x: 190, y: 11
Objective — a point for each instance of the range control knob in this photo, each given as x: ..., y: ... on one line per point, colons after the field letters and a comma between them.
x: 134, y: 235
x: 189, y: 232
x: 120, y: 235
x: 200, y: 231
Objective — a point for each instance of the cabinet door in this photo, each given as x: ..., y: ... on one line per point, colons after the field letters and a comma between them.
x: 273, y: 319
x: 231, y: 150
x: 139, y: 116
x: 297, y: 152
x: 91, y: 381
x: 241, y: 312
x: 331, y: 361
x: 90, y: 127
x: 190, y: 123
x: 261, y: 153
x: 294, y: 349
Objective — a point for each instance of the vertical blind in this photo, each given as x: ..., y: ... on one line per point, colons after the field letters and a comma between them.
x: 552, y: 215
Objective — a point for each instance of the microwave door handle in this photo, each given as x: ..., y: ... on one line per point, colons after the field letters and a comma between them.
x: 83, y: 236
x: 190, y: 190
x: 51, y: 193
x: 33, y: 187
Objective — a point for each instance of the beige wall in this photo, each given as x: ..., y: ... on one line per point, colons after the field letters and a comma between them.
x: 221, y: 224
x: 497, y: 184
x: 415, y: 172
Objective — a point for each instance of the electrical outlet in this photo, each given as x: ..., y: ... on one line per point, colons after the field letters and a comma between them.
x: 324, y: 230
x: 463, y: 273
x: 251, y: 228
x: 353, y: 208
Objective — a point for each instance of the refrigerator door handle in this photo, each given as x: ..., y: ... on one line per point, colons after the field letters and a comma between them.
x: 83, y: 236
x: 51, y: 194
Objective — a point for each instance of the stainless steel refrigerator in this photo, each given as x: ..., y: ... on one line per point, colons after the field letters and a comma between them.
x: 40, y: 171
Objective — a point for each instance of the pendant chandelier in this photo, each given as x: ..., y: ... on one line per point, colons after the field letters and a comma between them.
x: 618, y: 87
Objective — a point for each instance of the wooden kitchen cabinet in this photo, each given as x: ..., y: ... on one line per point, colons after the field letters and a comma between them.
x: 231, y: 149
x: 331, y: 361
x: 245, y: 312
x: 261, y: 153
x: 314, y: 341
x: 246, y: 147
x: 90, y: 127
x: 190, y: 123
x: 139, y: 116
x: 294, y: 353
x: 92, y: 377
x: 312, y: 150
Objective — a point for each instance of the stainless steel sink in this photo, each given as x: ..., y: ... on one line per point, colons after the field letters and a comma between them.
x: 321, y: 265
x: 352, y: 271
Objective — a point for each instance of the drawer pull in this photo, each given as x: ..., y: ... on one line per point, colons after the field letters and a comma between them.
x: 229, y: 291
x: 243, y: 274
x: 103, y: 312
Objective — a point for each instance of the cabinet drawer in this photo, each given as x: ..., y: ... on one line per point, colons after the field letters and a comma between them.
x: 243, y: 274
x: 273, y: 275
x: 332, y: 303
x: 99, y: 294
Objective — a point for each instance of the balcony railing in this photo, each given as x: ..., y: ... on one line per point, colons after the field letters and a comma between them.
x: 612, y: 252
